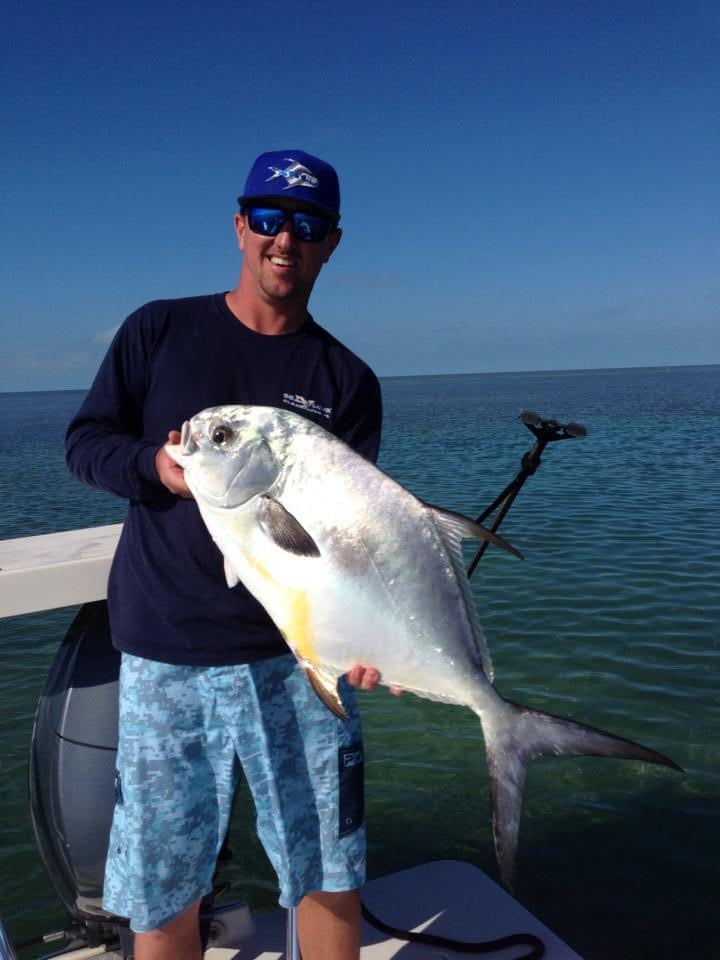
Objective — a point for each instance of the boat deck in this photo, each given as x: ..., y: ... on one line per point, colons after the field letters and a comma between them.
x: 447, y: 898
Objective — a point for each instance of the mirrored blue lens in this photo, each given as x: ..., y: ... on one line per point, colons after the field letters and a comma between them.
x: 268, y: 221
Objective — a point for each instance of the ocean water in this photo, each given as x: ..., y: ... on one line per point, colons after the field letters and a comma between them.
x: 613, y: 618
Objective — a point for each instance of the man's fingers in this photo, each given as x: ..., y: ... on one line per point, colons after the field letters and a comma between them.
x: 171, y: 474
x: 355, y: 675
x: 370, y: 679
x: 367, y: 678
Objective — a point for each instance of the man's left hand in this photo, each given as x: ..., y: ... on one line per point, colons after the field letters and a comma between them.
x: 367, y: 678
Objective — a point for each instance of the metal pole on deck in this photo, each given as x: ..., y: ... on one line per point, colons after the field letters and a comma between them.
x: 292, y: 949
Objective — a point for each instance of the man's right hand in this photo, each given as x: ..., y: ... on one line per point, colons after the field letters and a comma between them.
x: 172, y: 474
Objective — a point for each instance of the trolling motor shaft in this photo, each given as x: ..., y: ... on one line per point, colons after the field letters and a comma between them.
x: 545, y: 432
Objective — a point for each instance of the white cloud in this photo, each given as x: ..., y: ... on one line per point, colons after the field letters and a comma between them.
x: 105, y: 336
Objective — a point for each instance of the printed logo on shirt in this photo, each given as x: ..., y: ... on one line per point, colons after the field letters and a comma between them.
x: 298, y: 402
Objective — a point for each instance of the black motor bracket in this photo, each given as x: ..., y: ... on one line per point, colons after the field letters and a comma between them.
x: 545, y: 432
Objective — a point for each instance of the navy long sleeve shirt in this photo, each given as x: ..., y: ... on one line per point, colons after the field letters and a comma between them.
x: 167, y: 594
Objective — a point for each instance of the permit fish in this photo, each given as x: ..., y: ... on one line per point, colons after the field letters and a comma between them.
x: 355, y: 569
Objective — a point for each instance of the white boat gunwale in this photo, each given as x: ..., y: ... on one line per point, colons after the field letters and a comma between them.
x: 52, y: 570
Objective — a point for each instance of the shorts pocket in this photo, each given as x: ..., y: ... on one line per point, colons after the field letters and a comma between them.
x: 351, y: 772
x: 119, y: 800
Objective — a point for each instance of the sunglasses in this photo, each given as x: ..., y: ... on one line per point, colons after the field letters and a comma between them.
x: 269, y: 221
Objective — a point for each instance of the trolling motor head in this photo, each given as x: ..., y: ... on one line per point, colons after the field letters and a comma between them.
x: 545, y: 432
x: 550, y: 429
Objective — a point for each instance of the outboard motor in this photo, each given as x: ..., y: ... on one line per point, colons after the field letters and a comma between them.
x: 72, y: 790
x: 72, y: 770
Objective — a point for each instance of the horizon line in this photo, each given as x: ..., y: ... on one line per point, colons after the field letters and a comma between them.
x: 473, y: 373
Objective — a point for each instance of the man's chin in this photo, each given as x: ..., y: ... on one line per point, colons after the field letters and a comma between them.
x: 285, y: 293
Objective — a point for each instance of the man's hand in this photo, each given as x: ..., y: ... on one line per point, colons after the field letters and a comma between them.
x: 367, y: 678
x: 172, y: 474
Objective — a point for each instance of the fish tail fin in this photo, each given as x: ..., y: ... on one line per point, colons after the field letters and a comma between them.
x: 514, y: 736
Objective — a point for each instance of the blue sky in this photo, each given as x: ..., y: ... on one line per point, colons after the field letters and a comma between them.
x: 526, y: 185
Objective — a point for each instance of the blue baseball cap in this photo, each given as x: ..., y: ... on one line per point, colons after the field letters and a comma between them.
x: 294, y: 175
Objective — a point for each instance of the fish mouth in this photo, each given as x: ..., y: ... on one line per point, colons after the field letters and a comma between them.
x: 186, y: 447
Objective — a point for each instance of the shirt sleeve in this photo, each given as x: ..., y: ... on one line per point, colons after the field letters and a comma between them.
x: 104, y: 443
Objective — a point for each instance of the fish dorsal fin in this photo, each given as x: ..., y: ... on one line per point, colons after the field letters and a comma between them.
x: 453, y: 529
x: 325, y: 686
x: 284, y: 530
x: 463, y: 528
x: 230, y: 575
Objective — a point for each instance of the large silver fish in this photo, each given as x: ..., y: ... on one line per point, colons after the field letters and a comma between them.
x: 354, y: 569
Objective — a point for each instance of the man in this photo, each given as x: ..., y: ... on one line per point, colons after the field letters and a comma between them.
x: 206, y: 678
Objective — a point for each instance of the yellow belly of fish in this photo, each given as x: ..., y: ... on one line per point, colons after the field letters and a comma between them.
x: 298, y: 627
x: 290, y: 609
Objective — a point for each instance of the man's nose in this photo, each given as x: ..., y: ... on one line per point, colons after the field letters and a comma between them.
x: 285, y: 238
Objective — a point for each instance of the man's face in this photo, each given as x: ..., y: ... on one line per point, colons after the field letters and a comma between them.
x: 283, y: 268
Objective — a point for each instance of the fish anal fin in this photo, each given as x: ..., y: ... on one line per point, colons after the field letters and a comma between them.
x: 284, y: 529
x: 325, y: 686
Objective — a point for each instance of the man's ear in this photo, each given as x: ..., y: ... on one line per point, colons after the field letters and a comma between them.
x: 240, y: 229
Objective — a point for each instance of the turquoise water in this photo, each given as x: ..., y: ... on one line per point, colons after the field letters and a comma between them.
x: 612, y: 619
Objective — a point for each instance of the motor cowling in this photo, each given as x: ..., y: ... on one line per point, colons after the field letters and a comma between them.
x: 72, y: 763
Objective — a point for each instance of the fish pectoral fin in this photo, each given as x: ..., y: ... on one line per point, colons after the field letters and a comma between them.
x: 284, y: 530
x: 463, y: 528
x: 325, y: 686
x: 230, y: 575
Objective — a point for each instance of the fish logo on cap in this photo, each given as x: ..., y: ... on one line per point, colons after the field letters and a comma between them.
x: 296, y: 175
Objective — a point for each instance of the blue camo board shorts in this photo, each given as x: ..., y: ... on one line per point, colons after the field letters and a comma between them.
x: 182, y: 731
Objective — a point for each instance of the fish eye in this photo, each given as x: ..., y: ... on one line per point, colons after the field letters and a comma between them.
x: 221, y: 434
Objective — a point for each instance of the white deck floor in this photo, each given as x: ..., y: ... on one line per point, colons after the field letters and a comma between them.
x: 447, y: 898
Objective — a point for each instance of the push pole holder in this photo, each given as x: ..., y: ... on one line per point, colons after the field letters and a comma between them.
x: 545, y: 432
